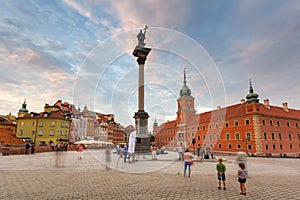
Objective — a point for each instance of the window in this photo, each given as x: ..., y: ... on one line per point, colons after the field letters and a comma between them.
x: 237, y: 136
x: 204, y: 137
x: 203, y: 127
x: 220, y: 146
x: 227, y: 136
x: 280, y: 146
x: 62, y: 124
x: 226, y: 124
x: 247, y: 122
x: 229, y: 146
x: 298, y: 136
x: 278, y: 123
x: 288, y: 124
x: 41, y: 123
x: 267, y: 147
x: 291, y: 146
x: 52, y: 124
x: 198, y: 128
x: 248, y: 136
x: 265, y: 136
x: 21, y: 132
x: 239, y: 146
x: 249, y: 146
x: 210, y: 137
x: 290, y: 136
x: 22, y: 123
x: 198, y: 137
x: 33, y: 123
x: 217, y: 125
x: 274, y: 146
x: 264, y: 122
x: 210, y: 126
x: 236, y: 123
x: 280, y: 136
x: 51, y: 133
x: 297, y: 124
x: 40, y: 132
x: 32, y: 132
x: 271, y: 122
x: 273, y: 136
x: 218, y: 137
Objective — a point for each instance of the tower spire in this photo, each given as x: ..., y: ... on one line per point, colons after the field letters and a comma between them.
x: 252, y: 97
x: 184, y: 77
x: 185, y: 91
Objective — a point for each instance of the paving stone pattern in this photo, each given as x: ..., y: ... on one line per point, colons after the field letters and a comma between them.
x: 37, y: 177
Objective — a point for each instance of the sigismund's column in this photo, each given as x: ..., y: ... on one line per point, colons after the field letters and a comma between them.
x: 141, y: 116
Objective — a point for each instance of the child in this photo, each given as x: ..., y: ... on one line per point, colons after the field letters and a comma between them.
x: 242, y: 177
x: 221, y: 168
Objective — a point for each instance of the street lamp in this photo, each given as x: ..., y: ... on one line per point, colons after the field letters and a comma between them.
x: 193, y: 142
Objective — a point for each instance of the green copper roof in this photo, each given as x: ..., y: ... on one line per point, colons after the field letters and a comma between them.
x: 185, y: 91
x: 155, y: 123
x: 23, y: 109
x: 252, y: 97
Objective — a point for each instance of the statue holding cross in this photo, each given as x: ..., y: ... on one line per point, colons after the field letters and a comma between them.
x: 142, y: 36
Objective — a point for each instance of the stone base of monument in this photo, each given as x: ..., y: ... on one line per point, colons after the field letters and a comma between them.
x: 142, y: 145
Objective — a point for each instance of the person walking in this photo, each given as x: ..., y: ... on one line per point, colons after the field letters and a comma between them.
x: 221, y: 168
x: 27, y: 147
x: 187, y: 158
x: 107, y: 157
x: 180, y: 150
x: 32, y: 148
x: 125, y: 152
x: 153, y: 152
x: 80, y: 151
x: 242, y: 177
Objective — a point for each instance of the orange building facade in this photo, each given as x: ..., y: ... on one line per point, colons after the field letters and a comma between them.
x: 248, y: 126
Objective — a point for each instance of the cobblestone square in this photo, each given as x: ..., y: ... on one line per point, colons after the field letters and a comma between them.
x: 37, y: 177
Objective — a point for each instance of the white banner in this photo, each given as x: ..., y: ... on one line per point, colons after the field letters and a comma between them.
x: 131, y: 144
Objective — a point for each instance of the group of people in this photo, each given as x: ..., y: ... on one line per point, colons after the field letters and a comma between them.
x: 123, y: 152
x: 29, y: 147
x: 242, y: 171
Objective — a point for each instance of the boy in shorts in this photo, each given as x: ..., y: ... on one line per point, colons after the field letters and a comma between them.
x: 221, y: 168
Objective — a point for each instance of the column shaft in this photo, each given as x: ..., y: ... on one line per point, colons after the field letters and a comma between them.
x: 141, y: 87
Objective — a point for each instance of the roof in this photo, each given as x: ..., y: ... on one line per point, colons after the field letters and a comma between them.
x: 167, y: 125
x: 280, y: 112
x: 56, y: 114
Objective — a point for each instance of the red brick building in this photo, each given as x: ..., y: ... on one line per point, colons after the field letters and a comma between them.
x: 248, y: 126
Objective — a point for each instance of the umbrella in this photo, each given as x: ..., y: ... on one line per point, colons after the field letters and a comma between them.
x: 84, y: 142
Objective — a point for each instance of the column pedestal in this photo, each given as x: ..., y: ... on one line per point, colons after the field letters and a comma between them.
x: 142, y: 145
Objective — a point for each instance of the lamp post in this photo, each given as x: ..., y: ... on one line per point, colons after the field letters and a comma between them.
x: 193, y: 142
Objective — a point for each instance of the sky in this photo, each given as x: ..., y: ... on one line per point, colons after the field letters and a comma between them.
x: 81, y: 52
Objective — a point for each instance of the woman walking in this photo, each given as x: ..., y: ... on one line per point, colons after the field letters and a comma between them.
x: 187, y: 158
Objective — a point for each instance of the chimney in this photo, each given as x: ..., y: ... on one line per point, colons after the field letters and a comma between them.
x: 243, y: 101
x: 218, y: 107
x: 267, y: 103
x: 285, y: 106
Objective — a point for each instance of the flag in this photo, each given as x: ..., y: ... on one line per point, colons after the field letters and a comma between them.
x: 131, y: 145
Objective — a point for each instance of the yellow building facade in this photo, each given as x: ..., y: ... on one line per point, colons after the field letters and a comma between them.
x: 51, y: 126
